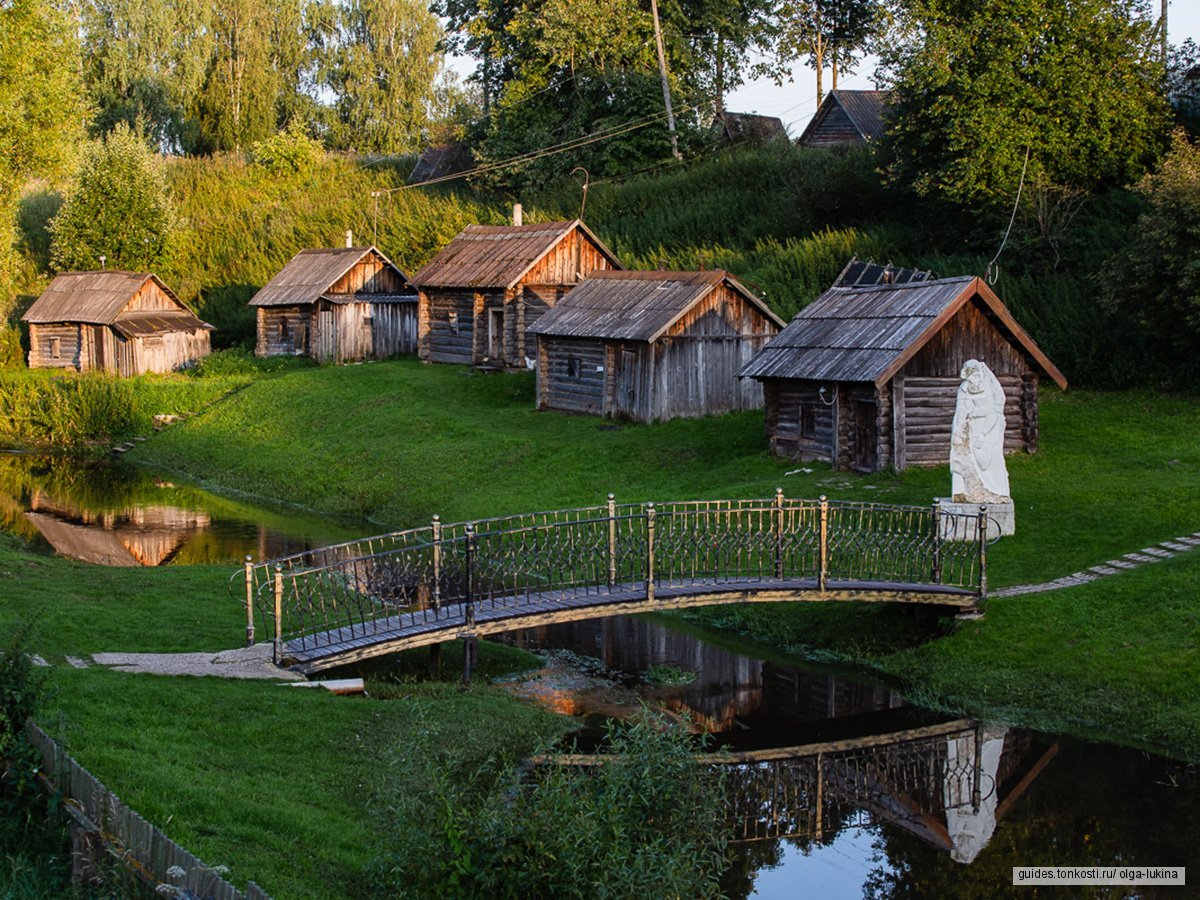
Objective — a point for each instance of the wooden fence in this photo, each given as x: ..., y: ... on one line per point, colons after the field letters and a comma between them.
x: 100, y: 821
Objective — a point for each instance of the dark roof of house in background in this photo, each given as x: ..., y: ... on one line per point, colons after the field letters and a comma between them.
x: 97, y: 298
x: 867, y: 334
x: 310, y: 274
x: 737, y: 128
x: 498, y: 256
x: 864, y: 109
x: 440, y: 161
x: 858, y: 273
x: 635, y: 306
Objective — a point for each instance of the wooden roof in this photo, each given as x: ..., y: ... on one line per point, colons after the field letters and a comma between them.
x: 738, y: 127
x: 864, y: 109
x: 140, y: 324
x: 867, y: 334
x: 96, y: 298
x: 635, y: 306
x: 440, y: 162
x: 310, y: 274
x: 498, y: 256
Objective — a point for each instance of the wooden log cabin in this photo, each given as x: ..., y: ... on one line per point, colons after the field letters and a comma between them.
x: 484, y: 290
x: 123, y: 323
x: 846, y: 119
x: 649, y: 346
x: 337, y: 305
x: 867, y: 377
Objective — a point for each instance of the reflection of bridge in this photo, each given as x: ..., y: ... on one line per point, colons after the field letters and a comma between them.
x: 378, y: 595
x: 948, y: 784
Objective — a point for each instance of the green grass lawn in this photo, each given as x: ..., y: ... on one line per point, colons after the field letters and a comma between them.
x: 398, y: 441
x: 277, y: 783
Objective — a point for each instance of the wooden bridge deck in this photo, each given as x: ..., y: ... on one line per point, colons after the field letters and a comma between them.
x: 492, y: 615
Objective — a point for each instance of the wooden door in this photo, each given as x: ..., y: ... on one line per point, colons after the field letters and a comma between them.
x: 326, y: 335
x: 625, y: 382
x: 495, y: 334
x: 863, y: 437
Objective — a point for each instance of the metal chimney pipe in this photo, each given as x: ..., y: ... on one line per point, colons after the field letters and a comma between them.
x: 349, y: 238
x: 517, y: 214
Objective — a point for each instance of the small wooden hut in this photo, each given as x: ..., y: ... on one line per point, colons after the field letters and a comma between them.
x: 484, y: 290
x: 337, y: 305
x: 125, y: 323
x: 649, y: 346
x: 867, y: 377
x: 846, y: 119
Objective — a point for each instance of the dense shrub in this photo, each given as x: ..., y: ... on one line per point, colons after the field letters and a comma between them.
x: 647, y: 824
x: 237, y: 361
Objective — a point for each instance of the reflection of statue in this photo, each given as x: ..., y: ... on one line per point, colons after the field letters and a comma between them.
x: 977, y: 469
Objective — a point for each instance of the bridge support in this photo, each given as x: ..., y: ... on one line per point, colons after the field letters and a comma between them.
x: 470, y: 657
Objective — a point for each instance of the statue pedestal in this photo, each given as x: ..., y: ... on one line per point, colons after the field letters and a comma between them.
x: 960, y: 521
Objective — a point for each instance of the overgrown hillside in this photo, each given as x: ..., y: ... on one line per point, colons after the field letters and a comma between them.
x: 782, y: 219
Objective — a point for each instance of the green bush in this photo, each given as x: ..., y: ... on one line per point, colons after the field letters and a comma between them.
x: 238, y: 361
x: 646, y: 824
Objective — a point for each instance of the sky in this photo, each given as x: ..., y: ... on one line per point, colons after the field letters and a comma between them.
x: 796, y: 103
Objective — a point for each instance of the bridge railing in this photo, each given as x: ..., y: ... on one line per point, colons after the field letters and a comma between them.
x: 451, y: 573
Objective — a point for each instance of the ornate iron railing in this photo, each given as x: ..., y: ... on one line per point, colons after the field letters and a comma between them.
x: 447, y: 572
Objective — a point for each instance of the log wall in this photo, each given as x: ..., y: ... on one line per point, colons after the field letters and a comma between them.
x: 445, y: 339
x: 42, y: 339
x: 283, y: 330
x: 572, y: 375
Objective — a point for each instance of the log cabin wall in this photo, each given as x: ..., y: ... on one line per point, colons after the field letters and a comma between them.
x: 449, y: 326
x: 572, y: 375
x: 161, y: 353
x: 800, y: 424
x: 56, y: 346
x: 284, y: 330
x: 925, y: 391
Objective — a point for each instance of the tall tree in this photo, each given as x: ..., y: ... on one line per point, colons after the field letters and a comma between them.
x: 383, y: 72
x: 118, y: 207
x: 42, y: 111
x: 979, y: 83
x: 819, y: 33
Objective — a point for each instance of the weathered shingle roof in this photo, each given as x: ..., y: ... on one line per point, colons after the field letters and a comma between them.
x: 93, y: 297
x: 311, y: 273
x: 864, y: 109
x: 739, y: 128
x: 140, y: 324
x: 497, y: 256
x: 634, y: 306
x: 867, y: 334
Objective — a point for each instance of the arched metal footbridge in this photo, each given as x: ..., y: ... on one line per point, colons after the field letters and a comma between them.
x: 375, y: 596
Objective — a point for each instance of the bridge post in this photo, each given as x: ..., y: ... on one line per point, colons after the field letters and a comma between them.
x: 777, y: 518
x: 982, y: 529
x: 278, y: 648
x: 435, y: 528
x: 249, y: 600
x: 937, y: 542
x: 823, y: 571
x: 650, y: 514
x: 470, y: 592
x: 612, y: 540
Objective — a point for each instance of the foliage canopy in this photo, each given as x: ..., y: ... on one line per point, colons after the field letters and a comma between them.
x: 118, y: 208
x: 978, y: 82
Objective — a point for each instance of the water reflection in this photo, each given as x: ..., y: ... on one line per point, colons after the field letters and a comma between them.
x: 111, y: 514
x: 839, y: 788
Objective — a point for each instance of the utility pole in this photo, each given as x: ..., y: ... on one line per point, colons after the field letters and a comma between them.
x: 662, y: 68
x: 1164, y: 31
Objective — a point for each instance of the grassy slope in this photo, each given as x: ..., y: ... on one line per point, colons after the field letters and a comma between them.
x: 282, y: 793
x: 398, y: 441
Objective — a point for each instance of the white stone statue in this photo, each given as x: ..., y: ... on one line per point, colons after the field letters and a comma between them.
x: 977, y: 469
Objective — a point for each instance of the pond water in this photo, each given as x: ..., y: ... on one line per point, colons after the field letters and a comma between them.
x: 838, y: 786
x: 117, y: 514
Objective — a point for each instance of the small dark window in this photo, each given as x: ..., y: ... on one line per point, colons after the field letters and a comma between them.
x: 808, y: 420
x: 452, y: 320
x: 55, y: 348
x: 574, y: 367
